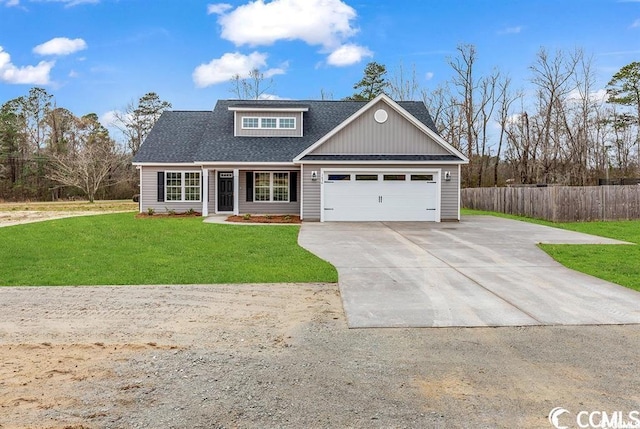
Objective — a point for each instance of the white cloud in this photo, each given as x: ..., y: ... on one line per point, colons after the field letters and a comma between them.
x: 218, y: 8
x: 267, y: 96
x: 110, y: 119
x: 348, y: 54
x: 60, y: 46
x: 67, y: 3
x: 223, y: 69
x: 71, y: 3
x: 514, y: 119
x: 33, y: 75
x: 511, y: 30
x: 429, y: 75
x: 635, y: 23
x: 595, y: 96
x: 325, y: 23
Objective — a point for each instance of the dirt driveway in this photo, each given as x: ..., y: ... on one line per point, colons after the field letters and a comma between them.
x: 281, y: 356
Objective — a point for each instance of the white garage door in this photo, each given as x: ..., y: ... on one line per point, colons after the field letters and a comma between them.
x: 380, y: 196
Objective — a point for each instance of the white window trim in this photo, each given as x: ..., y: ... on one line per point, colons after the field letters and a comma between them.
x: 250, y: 128
x: 287, y: 118
x: 271, y: 173
x: 183, y: 187
x: 277, y: 127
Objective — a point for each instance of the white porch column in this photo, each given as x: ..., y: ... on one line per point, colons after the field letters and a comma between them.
x: 205, y: 192
x: 140, y: 189
x: 236, y: 191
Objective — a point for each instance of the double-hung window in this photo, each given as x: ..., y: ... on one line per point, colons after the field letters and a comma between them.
x: 182, y: 186
x: 289, y: 123
x: 248, y: 122
x: 268, y: 123
x: 271, y: 186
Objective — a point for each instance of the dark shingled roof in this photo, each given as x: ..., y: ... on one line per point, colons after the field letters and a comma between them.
x: 189, y: 136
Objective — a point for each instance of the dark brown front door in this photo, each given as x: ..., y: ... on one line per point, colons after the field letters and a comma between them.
x: 225, y: 191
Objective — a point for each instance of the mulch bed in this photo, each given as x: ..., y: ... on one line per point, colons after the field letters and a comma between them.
x: 147, y: 215
x: 265, y: 219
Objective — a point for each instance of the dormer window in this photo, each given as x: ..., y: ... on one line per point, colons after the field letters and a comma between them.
x: 250, y: 122
x: 253, y: 122
x: 268, y: 123
x: 268, y: 120
x: 287, y: 123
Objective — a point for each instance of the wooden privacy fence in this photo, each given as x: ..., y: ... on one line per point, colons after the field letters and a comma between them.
x: 558, y: 203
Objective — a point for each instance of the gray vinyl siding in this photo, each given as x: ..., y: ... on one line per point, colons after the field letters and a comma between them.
x: 213, y: 187
x: 311, y: 192
x: 449, y: 209
x: 292, y: 208
x: 395, y: 136
x: 149, y: 192
x: 267, y: 132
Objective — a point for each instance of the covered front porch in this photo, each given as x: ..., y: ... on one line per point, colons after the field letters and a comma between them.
x: 255, y: 189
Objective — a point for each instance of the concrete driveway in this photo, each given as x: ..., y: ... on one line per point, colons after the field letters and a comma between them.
x: 483, y: 271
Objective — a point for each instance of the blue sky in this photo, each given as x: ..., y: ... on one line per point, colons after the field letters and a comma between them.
x: 99, y: 55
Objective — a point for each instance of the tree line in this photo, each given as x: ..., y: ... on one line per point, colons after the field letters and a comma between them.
x: 48, y: 153
x: 557, y: 129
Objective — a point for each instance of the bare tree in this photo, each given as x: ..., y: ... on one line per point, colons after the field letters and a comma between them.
x: 484, y: 116
x: 552, y: 76
x: 95, y: 163
x: 251, y: 87
x: 505, y: 98
x: 464, y: 81
x: 325, y: 95
x: 403, y: 86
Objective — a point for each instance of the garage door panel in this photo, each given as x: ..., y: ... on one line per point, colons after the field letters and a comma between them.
x: 381, y: 200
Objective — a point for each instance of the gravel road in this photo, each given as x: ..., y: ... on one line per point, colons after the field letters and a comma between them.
x: 281, y: 356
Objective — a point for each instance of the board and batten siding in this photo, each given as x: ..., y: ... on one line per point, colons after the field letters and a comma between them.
x: 268, y: 132
x: 393, y: 137
x: 449, y: 203
x: 149, y: 195
x: 244, y: 206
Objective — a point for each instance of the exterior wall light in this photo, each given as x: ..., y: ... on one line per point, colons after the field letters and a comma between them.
x: 314, y: 175
x: 447, y: 176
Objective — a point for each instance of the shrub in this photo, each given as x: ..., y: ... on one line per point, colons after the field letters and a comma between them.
x: 246, y: 216
x: 150, y: 211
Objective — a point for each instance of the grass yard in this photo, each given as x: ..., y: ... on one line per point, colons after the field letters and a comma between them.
x: 119, y: 249
x: 616, y: 263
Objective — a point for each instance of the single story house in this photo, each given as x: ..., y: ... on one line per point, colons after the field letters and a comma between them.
x: 322, y: 160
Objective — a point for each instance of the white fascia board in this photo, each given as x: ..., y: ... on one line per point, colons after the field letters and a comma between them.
x: 165, y: 164
x: 383, y: 162
x: 384, y: 170
x: 268, y: 109
x: 233, y: 163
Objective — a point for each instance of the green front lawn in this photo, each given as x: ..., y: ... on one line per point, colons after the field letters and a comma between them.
x: 616, y: 263
x: 118, y: 249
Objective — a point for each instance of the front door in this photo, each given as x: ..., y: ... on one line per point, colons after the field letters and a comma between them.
x: 225, y: 191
